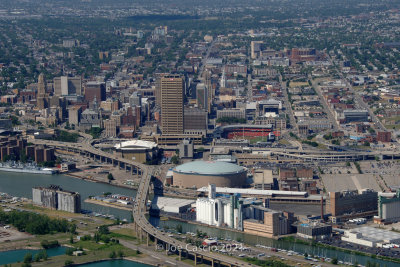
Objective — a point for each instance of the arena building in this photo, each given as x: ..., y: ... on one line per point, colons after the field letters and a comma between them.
x: 200, y: 173
x: 137, y: 150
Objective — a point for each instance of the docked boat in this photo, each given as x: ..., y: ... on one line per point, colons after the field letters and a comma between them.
x: 25, y: 168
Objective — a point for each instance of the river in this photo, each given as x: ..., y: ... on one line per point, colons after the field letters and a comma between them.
x: 254, y: 240
x: 20, y: 185
x: 116, y: 263
x: 11, y: 256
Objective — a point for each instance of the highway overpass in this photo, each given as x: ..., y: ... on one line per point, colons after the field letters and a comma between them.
x: 144, y: 230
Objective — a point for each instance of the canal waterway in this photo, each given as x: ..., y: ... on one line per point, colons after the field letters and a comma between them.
x: 7, y: 257
x: 20, y: 185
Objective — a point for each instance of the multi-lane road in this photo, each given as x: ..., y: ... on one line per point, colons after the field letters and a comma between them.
x: 139, y: 209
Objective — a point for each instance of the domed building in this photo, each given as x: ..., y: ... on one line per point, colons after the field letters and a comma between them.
x: 200, y: 173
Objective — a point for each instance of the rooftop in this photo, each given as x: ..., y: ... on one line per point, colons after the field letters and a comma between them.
x: 246, y: 191
x: 209, y: 168
x: 131, y: 144
x: 376, y: 234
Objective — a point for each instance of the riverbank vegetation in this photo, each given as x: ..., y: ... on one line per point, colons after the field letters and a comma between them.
x: 266, y: 263
x: 36, y: 224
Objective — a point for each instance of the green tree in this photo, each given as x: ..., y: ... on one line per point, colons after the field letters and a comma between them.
x: 103, y: 230
x: 68, y: 263
x: 43, y: 255
x: 334, y: 261
x: 120, y: 254
x: 175, y: 159
x: 28, y: 258
x: 113, y: 255
x: 69, y: 251
x: 37, y: 257
x: 110, y: 177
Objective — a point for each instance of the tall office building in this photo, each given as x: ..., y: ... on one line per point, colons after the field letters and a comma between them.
x: 210, y: 91
x: 42, y: 99
x: 172, y: 104
x: 202, y: 96
x: 95, y: 90
x: 65, y: 85
x: 158, y: 87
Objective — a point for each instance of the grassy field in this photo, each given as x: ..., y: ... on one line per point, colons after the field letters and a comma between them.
x: 123, y: 233
x: 94, y: 252
x: 298, y: 84
x: 85, y: 226
x: 284, y: 142
x: 392, y: 126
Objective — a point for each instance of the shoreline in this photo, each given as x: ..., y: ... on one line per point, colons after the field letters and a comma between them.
x: 98, y: 181
x: 119, y: 259
x: 102, y: 203
x: 23, y: 247
x: 211, y: 226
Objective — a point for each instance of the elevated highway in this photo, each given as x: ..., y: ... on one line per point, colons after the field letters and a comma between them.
x: 144, y: 230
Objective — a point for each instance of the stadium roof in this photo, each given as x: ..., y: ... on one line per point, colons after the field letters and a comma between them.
x: 209, y: 168
x: 135, y: 144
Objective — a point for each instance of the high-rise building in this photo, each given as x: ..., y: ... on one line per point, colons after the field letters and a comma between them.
x: 195, y: 121
x: 111, y: 128
x: 95, y: 90
x: 65, y: 85
x: 135, y: 99
x: 202, y: 96
x: 158, y: 88
x: 42, y: 99
x: 256, y: 48
x: 172, y: 104
x: 74, y: 115
x: 206, y: 78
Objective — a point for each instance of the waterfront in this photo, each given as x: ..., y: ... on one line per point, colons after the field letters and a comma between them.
x: 20, y: 185
x: 116, y: 263
x: 11, y: 256
x: 279, y: 244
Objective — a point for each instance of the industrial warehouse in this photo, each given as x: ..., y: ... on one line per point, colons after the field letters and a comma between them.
x: 55, y: 197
